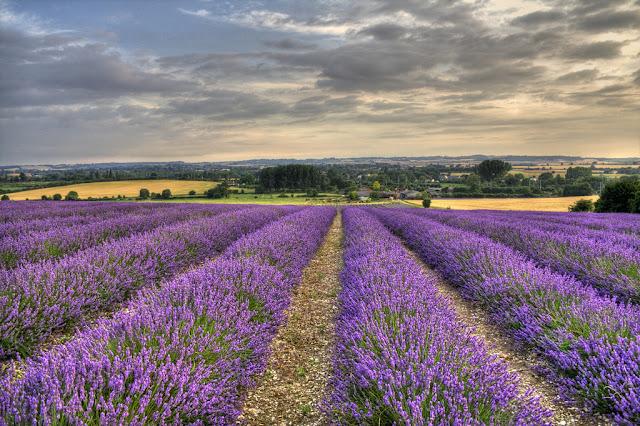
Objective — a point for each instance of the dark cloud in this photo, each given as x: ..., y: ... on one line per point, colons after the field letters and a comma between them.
x: 535, y: 19
x: 226, y: 105
x: 599, y: 50
x: 48, y: 70
x: 610, y: 20
x: 583, y: 76
x: 384, y: 31
x: 289, y: 44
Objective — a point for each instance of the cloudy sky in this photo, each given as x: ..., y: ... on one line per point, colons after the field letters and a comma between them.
x: 195, y: 80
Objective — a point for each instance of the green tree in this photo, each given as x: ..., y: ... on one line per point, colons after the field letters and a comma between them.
x: 490, y: 170
x: 578, y: 173
x: 71, y: 196
x: 577, y: 189
x: 57, y: 197
x: 374, y: 195
x: 192, y: 192
x: 426, y: 201
x: 473, y: 182
x: 5, y: 197
x: 376, y: 186
x: 166, y: 194
x: 312, y: 192
x: 353, y: 196
x: 44, y: 197
x: 144, y: 193
x: 618, y: 197
x: 582, y: 205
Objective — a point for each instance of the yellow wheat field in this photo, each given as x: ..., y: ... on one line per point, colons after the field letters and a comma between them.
x: 128, y: 188
x: 542, y: 204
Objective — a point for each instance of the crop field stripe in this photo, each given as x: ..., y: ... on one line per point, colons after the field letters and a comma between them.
x: 299, y: 367
x: 57, y: 242
x: 622, y: 223
x: 402, y: 354
x: 53, y: 295
x: 27, y: 226
x: 10, y: 212
x: 184, y: 353
x: 590, y: 340
x: 609, y: 266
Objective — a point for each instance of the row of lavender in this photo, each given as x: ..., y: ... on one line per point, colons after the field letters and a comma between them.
x: 402, y: 355
x: 590, y: 340
x: 610, y: 264
x: 56, y: 240
x: 14, y: 212
x: 37, y: 299
x: 181, y: 354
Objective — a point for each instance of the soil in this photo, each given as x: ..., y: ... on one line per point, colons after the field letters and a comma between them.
x: 297, y: 375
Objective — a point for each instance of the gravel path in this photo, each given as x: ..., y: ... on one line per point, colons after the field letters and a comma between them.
x: 300, y: 366
x: 525, y: 363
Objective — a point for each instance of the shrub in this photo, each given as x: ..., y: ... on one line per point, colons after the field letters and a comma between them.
x: 192, y: 192
x: 426, y: 202
x: 71, y: 196
x: 57, y: 197
x: 5, y: 197
x: 144, y: 193
x: 166, y: 194
x: 582, y: 205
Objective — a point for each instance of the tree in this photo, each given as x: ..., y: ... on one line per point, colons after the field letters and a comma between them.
x: 374, y: 195
x: 144, y: 193
x: 353, y: 196
x: 192, y: 192
x: 577, y: 189
x: 618, y: 197
x: 578, y: 173
x: 71, y: 196
x: 44, y: 197
x: 220, y: 191
x: 312, y: 192
x: 582, y: 205
x: 57, y: 197
x: 5, y: 197
x: 426, y: 201
x: 166, y: 194
x: 473, y: 182
x: 490, y: 170
x: 376, y: 186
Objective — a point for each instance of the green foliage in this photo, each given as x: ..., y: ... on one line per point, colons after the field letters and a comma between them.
x: 490, y: 170
x: 374, y: 195
x: 582, y: 205
x: 577, y: 189
x: 312, y: 192
x: 144, y: 193
x: 376, y: 186
x: 426, y: 202
x: 192, y: 192
x: 619, y: 197
x: 578, y: 173
x: 71, y: 196
x: 220, y: 191
x: 291, y: 177
x: 5, y: 197
x: 166, y: 194
x: 57, y: 197
x: 44, y: 198
x: 473, y: 182
x: 353, y: 195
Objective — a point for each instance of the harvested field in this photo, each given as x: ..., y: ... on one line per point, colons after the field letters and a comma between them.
x: 560, y: 204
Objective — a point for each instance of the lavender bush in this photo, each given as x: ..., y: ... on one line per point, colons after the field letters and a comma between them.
x: 591, y: 341
x: 181, y: 354
x: 37, y: 299
x: 57, y: 241
x: 402, y: 354
x: 610, y: 264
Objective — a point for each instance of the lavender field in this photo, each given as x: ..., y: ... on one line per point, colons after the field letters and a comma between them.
x: 145, y: 314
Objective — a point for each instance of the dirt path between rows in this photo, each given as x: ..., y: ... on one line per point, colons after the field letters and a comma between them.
x: 520, y: 361
x: 298, y: 372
